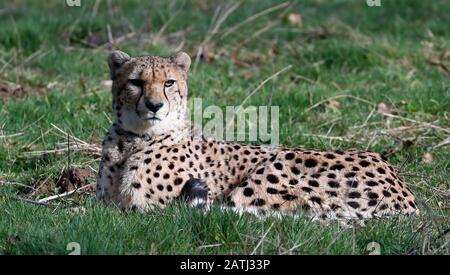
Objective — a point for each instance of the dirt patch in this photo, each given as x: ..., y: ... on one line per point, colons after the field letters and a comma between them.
x: 74, y: 178
x: 71, y: 179
x: 12, y: 90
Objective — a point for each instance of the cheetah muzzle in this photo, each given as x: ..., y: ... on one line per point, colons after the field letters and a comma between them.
x: 151, y: 155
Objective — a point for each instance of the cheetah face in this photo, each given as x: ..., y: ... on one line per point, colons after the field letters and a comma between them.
x: 149, y: 92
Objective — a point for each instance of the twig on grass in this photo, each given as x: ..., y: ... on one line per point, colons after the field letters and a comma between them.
x: 65, y: 194
x: 80, y: 145
x: 209, y: 245
x: 216, y: 23
x: 32, y: 201
x: 11, y: 135
x: 2, y: 182
x: 418, y: 122
x: 237, y: 49
x: 262, y: 239
x: 253, y: 17
x: 332, y: 138
x: 444, y: 143
x: 263, y: 83
x: 336, y: 97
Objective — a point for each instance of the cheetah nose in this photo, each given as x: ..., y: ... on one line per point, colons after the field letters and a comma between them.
x: 154, y: 107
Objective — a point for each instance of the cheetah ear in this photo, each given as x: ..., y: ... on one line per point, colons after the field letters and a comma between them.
x: 115, y: 60
x: 183, y: 61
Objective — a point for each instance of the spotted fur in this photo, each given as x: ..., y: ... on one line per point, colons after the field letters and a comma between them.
x: 151, y: 152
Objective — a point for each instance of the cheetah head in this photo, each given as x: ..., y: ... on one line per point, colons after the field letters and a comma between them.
x: 149, y: 92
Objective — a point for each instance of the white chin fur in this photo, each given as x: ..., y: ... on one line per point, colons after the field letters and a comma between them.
x: 133, y: 123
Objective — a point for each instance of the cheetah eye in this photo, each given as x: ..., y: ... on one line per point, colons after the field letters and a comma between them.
x: 136, y: 82
x: 169, y: 83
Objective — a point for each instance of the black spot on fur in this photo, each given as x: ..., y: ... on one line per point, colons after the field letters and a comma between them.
x: 337, y: 167
x: 310, y: 163
x: 333, y: 184
x: 352, y: 183
x: 381, y: 170
x: 136, y: 185
x: 313, y: 183
x: 370, y: 175
x: 290, y: 156
x: 331, y: 193
x: 364, y: 163
x: 272, y: 178
x: 293, y: 182
x: 372, y: 183
x: 295, y: 170
x: 248, y: 192
x: 353, y: 204
x: 258, y: 202
x: 334, y: 206
x: 316, y: 200
x: 289, y: 197
x: 120, y: 146
x: 330, y: 156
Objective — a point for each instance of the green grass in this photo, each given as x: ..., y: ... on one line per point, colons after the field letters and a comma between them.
x: 353, y: 55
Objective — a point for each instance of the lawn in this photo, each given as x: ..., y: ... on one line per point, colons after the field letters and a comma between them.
x: 371, y: 78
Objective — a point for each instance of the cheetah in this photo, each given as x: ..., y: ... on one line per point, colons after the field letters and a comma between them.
x: 152, y: 155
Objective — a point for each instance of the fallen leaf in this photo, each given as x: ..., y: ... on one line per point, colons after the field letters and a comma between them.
x: 52, y: 84
x: 333, y: 105
x: 107, y: 83
x: 272, y: 51
x: 206, y: 54
x: 295, y: 19
x: 385, y: 109
x: 427, y: 158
